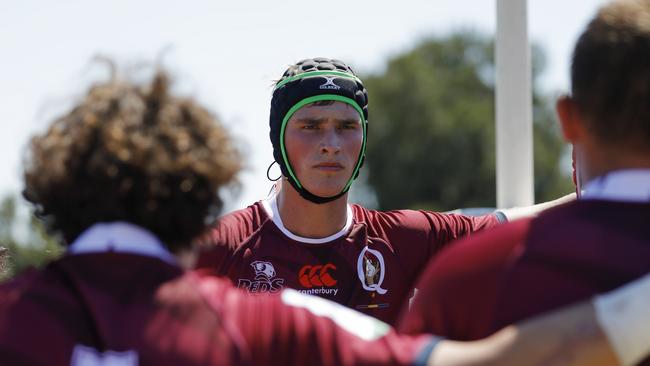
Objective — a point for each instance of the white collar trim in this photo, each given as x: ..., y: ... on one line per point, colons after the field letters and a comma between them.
x: 632, y: 185
x: 271, y: 207
x: 120, y: 237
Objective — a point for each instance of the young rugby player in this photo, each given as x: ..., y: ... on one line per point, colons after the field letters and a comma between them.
x: 307, y: 236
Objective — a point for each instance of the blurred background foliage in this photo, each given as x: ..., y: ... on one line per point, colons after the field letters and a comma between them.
x: 431, y: 141
x: 21, y: 250
x: 432, y: 128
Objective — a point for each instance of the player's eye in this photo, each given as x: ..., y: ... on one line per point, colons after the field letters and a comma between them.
x: 349, y: 126
x: 310, y: 126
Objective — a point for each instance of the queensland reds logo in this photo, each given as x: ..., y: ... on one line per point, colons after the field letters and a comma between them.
x: 371, y: 270
x: 316, y: 275
x: 263, y: 270
x: 265, y: 280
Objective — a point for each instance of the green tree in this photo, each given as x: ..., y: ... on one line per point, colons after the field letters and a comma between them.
x: 35, y: 249
x: 432, y: 130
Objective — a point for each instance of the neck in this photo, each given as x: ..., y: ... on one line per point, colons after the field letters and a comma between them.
x: 599, y: 160
x: 310, y: 220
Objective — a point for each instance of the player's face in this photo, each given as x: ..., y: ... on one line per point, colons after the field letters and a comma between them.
x: 323, y: 145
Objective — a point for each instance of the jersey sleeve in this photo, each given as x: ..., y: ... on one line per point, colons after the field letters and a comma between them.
x: 435, y: 229
x: 446, y: 228
x: 291, y: 328
x: 458, y: 292
x: 419, y: 235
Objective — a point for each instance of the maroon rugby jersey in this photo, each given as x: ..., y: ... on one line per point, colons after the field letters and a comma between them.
x: 370, y: 266
x: 127, y: 310
x: 527, y: 267
x: 131, y: 309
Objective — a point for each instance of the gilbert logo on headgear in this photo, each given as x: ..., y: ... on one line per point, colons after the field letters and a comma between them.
x: 371, y: 270
x: 329, y: 83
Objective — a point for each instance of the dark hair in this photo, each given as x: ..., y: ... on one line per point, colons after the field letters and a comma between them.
x: 131, y: 152
x: 610, y: 74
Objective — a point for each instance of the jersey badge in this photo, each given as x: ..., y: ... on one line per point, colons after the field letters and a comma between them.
x: 265, y: 279
x: 371, y: 270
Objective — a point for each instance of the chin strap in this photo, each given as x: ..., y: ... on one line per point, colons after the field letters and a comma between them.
x: 317, y: 199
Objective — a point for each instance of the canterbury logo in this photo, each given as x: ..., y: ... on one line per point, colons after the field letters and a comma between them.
x: 329, y: 83
x: 310, y: 276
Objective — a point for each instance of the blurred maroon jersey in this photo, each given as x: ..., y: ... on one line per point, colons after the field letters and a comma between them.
x: 371, y: 265
x: 125, y: 310
x: 527, y: 267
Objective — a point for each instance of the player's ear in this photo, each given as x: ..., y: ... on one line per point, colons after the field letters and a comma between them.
x: 570, y: 120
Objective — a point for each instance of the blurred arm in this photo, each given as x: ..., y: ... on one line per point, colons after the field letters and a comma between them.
x: 515, y: 213
x: 609, y: 330
x: 570, y: 336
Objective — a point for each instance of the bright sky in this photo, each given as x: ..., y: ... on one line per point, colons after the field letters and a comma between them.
x: 228, y: 53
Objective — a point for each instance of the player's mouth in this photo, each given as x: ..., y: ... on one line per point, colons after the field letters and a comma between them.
x: 329, y: 167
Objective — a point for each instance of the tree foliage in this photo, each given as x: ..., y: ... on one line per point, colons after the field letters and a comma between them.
x: 18, y: 253
x: 432, y: 129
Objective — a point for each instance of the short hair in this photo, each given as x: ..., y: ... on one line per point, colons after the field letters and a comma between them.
x: 610, y: 74
x: 131, y: 152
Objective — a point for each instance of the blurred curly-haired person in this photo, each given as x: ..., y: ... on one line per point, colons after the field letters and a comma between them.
x: 130, y: 153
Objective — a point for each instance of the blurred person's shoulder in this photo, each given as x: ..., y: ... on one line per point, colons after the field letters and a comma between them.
x: 13, y: 290
x: 234, y: 227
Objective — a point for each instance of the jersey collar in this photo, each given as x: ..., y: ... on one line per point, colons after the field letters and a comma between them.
x: 270, y: 205
x: 632, y: 185
x: 120, y: 237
